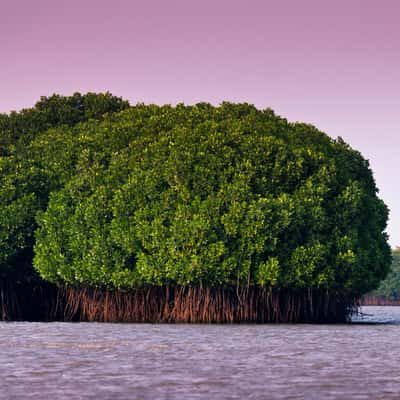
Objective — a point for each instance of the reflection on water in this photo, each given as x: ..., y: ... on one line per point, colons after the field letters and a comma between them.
x: 147, y: 361
x: 378, y: 315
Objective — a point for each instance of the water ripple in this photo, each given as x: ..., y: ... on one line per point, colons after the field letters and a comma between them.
x: 146, y: 361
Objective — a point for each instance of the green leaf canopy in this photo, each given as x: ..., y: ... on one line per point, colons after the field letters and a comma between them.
x: 209, y: 196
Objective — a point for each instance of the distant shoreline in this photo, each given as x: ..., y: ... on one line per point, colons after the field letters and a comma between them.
x: 370, y: 300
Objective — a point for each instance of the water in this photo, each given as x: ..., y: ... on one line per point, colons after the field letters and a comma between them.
x: 147, y: 361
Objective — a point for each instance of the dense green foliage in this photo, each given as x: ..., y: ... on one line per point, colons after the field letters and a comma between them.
x: 39, y: 150
x: 212, y: 196
x: 19, y: 128
x: 390, y: 287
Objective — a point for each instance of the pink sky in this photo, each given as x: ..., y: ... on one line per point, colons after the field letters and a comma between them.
x: 335, y: 64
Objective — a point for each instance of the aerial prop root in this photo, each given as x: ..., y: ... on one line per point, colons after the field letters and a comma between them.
x: 197, y: 304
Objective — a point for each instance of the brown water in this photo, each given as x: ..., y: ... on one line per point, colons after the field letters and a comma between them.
x: 147, y: 361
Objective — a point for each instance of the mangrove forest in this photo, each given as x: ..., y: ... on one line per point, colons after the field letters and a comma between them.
x: 186, y: 213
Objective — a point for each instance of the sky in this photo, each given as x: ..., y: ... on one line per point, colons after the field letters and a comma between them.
x: 335, y: 64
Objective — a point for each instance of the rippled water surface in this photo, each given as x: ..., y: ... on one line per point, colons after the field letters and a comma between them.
x: 147, y: 361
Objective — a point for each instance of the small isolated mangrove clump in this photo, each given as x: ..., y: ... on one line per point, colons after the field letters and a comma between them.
x: 194, y: 213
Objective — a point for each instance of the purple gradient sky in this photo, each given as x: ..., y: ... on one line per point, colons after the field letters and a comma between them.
x: 335, y: 64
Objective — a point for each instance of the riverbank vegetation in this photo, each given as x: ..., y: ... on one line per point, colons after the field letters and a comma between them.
x: 186, y: 213
x: 388, y: 292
